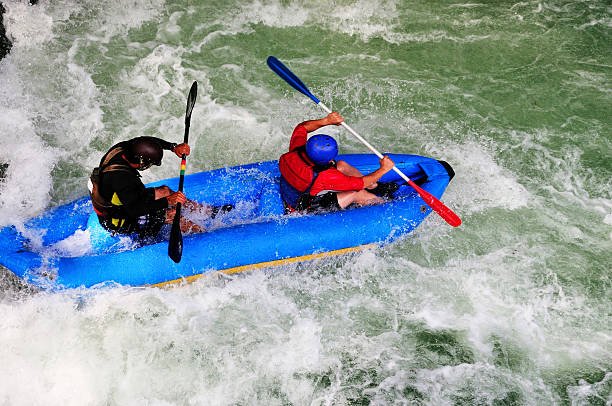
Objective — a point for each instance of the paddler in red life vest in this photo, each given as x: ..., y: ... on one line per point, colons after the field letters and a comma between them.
x: 123, y: 204
x: 312, y: 181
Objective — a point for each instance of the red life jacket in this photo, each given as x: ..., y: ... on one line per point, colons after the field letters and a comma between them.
x: 296, y: 168
x: 298, y: 176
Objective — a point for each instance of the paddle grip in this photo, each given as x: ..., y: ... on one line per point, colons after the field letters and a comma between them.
x: 182, y: 178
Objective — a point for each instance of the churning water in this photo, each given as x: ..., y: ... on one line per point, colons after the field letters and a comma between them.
x: 512, y: 308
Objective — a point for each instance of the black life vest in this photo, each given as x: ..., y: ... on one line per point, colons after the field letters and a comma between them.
x: 110, y: 213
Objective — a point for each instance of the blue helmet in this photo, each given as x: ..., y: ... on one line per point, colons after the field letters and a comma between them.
x: 321, y: 149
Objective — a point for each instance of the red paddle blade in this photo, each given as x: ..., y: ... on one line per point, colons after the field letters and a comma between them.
x: 447, y: 214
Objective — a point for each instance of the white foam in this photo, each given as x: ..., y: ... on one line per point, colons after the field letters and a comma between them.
x: 584, y: 394
x: 608, y: 220
x: 25, y: 190
x: 605, y: 22
x: 159, y: 80
x: 366, y: 19
x: 363, y: 18
x: 49, y: 111
x: 481, y: 183
x: 117, y: 17
x: 562, y: 175
x: 589, y: 79
x: 272, y: 14
x: 477, y: 383
x: 27, y: 26
x: 509, y: 293
x: 43, y: 339
x: 76, y: 245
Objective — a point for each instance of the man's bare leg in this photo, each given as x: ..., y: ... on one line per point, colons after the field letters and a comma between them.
x: 362, y: 197
x: 187, y: 226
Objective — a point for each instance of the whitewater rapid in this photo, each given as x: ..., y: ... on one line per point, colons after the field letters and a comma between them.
x: 511, y: 308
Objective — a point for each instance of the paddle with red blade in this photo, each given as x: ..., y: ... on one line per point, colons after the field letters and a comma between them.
x: 175, y: 245
x: 281, y: 70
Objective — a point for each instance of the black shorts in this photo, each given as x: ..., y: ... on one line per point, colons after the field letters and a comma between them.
x: 147, y: 226
x: 323, y: 203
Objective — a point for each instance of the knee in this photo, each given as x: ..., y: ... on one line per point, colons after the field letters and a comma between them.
x: 341, y: 165
x: 347, y: 169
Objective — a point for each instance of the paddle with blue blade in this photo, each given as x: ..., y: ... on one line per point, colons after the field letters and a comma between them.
x: 175, y: 245
x: 281, y: 70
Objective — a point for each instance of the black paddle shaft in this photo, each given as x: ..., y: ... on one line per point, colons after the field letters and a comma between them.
x: 190, y: 103
x: 175, y: 245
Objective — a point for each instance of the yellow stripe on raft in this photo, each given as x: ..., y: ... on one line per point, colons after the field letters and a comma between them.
x: 269, y: 264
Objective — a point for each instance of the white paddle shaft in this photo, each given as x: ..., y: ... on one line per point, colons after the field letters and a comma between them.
x: 364, y: 142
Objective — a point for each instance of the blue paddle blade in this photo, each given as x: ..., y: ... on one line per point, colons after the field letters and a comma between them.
x: 295, y: 82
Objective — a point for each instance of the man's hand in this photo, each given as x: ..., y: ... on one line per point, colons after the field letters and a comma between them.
x: 386, y: 164
x: 176, y: 197
x: 181, y: 149
x: 334, y: 118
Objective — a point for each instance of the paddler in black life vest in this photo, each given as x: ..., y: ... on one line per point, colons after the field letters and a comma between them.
x: 312, y: 181
x: 123, y: 204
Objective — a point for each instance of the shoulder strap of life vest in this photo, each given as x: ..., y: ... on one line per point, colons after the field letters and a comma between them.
x: 106, y: 167
x: 104, y: 163
x: 102, y: 206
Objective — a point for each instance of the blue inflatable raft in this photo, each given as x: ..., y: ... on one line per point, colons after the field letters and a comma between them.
x: 67, y: 248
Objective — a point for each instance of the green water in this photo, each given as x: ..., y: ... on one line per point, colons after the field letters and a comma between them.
x: 512, y: 308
